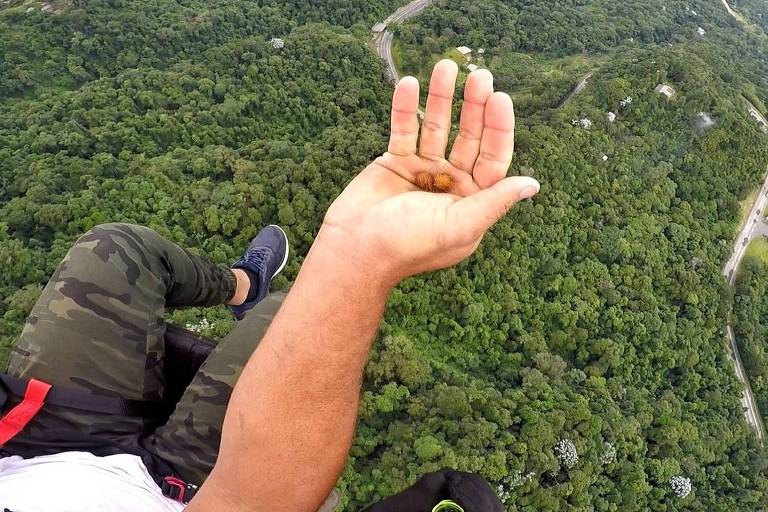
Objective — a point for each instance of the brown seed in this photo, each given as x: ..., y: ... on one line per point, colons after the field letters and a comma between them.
x: 424, y: 181
x: 443, y: 182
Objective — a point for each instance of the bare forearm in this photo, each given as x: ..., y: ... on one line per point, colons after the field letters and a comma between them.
x: 292, y: 415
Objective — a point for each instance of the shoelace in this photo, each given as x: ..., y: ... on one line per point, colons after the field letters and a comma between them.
x: 258, y: 256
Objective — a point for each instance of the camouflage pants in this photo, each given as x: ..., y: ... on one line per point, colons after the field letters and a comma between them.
x: 99, y: 327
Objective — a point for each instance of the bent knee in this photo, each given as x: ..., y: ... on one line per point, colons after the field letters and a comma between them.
x: 116, y: 226
x: 112, y: 234
x: 111, y: 230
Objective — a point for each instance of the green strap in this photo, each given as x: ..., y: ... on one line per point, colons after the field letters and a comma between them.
x: 447, y: 506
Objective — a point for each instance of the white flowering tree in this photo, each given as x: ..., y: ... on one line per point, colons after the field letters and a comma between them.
x: 582, y: 123
x: 681, y: 486
x: 566, y: 452
x: 609, y: 454
x: 509, y: 483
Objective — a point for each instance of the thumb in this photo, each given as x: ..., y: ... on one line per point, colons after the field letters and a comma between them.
x: 475, y: 214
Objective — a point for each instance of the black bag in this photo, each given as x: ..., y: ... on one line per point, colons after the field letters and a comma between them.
x: 185, y: 353
x: 469, y: 491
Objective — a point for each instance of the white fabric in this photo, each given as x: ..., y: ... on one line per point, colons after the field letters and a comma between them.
x: 80, y: 482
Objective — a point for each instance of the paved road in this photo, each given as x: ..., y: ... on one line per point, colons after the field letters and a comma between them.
x: 748, y: 402
x: 754, y: 227
x: 576, y: 90
x: 730, y: 11
x: 384, y: 39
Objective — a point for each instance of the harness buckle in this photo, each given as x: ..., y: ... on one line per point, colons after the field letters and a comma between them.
x: 178, y: 490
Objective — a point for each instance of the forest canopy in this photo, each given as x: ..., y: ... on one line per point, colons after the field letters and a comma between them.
x: 591, y: 320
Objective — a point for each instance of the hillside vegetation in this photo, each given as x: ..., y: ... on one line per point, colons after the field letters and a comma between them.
x: 578, y: 361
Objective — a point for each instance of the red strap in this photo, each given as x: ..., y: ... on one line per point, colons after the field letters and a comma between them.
x: 18, y: 417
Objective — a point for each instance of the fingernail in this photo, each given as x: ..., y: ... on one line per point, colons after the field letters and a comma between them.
x: 528, y: 192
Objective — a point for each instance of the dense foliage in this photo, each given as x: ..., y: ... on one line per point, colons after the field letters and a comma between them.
x: 596, y: 315
x: 578, y: 361
x: 205, y: 139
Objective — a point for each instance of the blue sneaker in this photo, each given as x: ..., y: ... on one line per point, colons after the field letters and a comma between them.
x: 265, y: 258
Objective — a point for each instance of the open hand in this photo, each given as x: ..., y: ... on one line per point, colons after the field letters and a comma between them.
x: 385, y: 222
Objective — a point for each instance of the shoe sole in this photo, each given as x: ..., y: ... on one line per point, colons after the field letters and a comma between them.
x: 287, y: 251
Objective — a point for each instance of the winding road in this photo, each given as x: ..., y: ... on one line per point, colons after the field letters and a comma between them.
x: 384, y: 39
x: 754, y: 227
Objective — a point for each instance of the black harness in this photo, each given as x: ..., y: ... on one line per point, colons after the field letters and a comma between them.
x: 185, y: 353
x: 83, y: 401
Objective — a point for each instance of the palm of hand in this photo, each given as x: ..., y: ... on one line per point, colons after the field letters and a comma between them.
x: 387, y: 215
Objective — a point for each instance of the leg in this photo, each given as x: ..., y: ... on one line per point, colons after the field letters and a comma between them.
x: 190, y: 439
x: 99, y: 323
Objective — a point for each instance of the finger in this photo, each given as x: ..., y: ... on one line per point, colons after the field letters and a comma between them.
x: 467, y: 146
x: 474, y: 215
x: 498, y: 143
x: 405, y: 120
x: 437, y: 119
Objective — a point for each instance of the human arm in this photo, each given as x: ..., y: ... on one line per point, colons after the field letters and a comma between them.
x: 292, y: 415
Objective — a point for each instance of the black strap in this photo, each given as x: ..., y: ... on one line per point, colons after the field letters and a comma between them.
x: 84, y: 401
